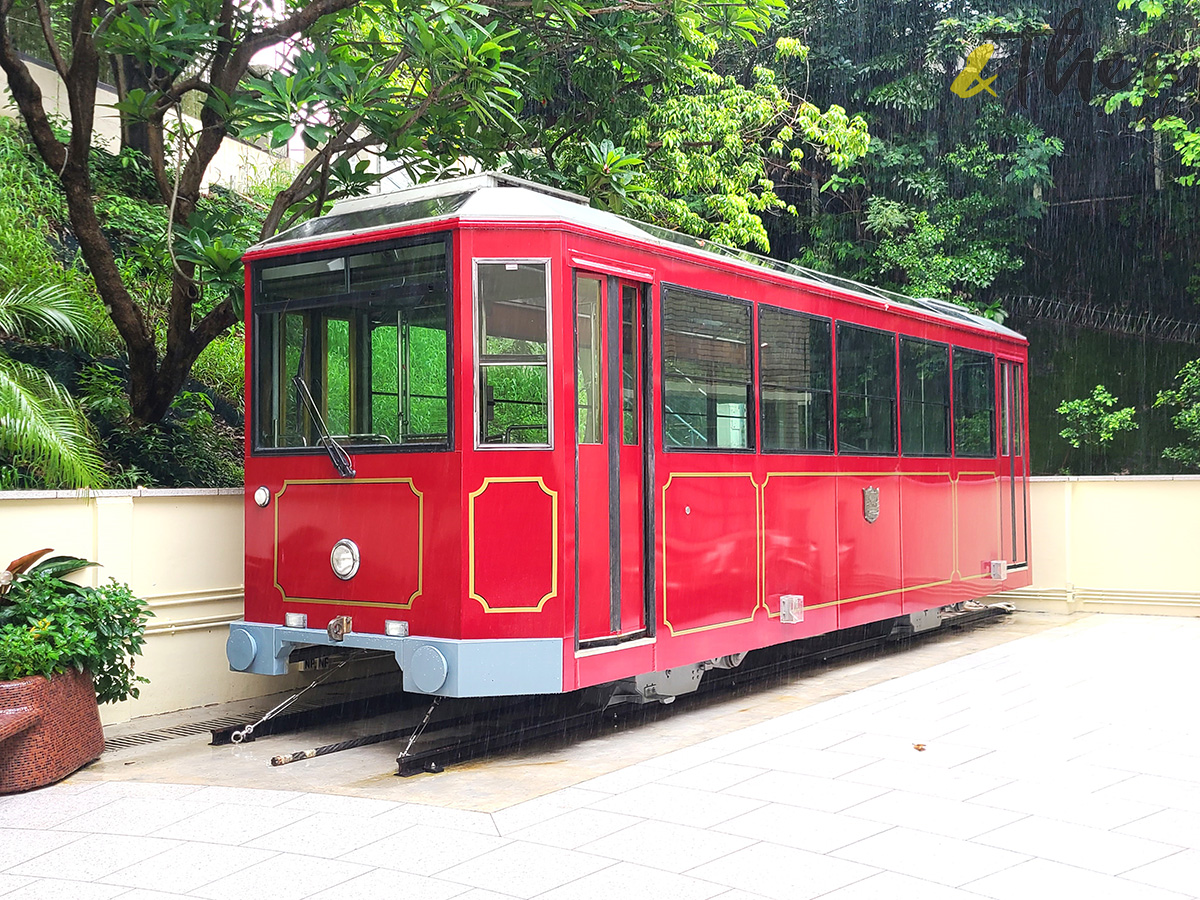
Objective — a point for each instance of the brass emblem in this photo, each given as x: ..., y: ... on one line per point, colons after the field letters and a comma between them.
x: 871, y: 504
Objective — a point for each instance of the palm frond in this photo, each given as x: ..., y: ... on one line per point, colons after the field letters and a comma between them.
x: 42, y: 428
x: 52, y: 310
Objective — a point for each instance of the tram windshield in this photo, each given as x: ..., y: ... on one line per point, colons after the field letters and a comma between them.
x: 367, y: 332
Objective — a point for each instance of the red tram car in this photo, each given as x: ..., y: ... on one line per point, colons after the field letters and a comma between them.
x: 530, y: 447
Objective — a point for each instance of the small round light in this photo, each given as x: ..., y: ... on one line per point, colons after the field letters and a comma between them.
x: 344, y: 559
x: 262, y: 496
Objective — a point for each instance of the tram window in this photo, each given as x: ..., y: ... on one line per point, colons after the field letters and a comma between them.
x: 511, y: 315
x: 587, y: 359
x: 367, y: 332
x: 796, y: 381
x: 707, y: 379
x: 924, y: 398
x: 866, y: 391
x: 974, y: 403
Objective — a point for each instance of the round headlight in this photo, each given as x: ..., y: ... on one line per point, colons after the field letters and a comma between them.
x: 344, y: 559
x: 262, y: 496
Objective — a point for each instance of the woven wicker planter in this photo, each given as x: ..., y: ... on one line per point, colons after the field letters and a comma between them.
x: 48, y: 729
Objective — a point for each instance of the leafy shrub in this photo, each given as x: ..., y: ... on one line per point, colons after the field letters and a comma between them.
x: 1186, y: 397
x: 49, y: 626
x: 1092, y: 420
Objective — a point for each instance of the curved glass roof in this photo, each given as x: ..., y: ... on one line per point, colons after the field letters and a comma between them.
x: 495, y: 196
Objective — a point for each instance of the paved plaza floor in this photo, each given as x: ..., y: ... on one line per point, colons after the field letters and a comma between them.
x: 1064, y: 763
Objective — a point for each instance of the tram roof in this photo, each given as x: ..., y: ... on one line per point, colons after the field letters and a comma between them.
x: 497, y: 196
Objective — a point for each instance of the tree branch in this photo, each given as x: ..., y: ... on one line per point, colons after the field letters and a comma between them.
x: 60, y: 64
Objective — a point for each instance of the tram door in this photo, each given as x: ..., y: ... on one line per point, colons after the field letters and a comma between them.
x: 1014, y: 484
x: 610, y: 458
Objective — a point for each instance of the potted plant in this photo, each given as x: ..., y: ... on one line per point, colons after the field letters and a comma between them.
x: 64, y: 648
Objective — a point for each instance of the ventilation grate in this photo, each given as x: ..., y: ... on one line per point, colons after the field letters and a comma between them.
x: 125, y: 741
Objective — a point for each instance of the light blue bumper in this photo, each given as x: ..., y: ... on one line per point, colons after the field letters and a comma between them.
x: 446, y: 668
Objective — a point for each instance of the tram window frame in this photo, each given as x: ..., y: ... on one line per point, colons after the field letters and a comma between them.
x: 767, y: 340
x: 712, y: 414
x: 279, y: 361
x: 485, y: 362
x: 846, y: 358
x: 960, y: 403
x: 907, y: 370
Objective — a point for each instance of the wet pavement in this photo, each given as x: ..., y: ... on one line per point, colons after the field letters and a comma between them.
x: 1042, y: 756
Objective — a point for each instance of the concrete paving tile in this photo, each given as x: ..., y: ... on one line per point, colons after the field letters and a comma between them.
x: 713, y: 776
x: 1076, y: 845
x: 805, y: 829
x: 630, y: 880
x: 929, y: 857
x: 817, y: 737
x: 46, y: 808
x: 937, y: 815
x: 548, y: 806
x: 476, y: 894
x: 572, y: 829
x: 942, y: 754
x: 93, y: 856
x: 1079, y: 807
x: 341, y: 805
x: 118, y: 790
x: 1171, y: 826
x: 1179, y: 872
x: 1025, y: 765
x: 379, y: 884
x: 1162, y: 792
x: 56, y: 889
x: 242, y: 796
x: 17, y: 845
x: 803, y: 760
x: 328, y: 835
x: 10, y: 883
x: 525, y: 870
x: 665, y: 845
x: 1043, y: 878
x: 231, y: 824
x: 286, y: 876
x: 685, y: 806
x: 892, y: 886
x: 784, y: 873
x: 143, y: 894
x: 425, y: 849
x: 953, y: 784
x: 1174, y: 766
x: 825, y: 794
x: 187, y: 867
x: 443, y: 817
x: 621, y: 780
x: 133, y: 815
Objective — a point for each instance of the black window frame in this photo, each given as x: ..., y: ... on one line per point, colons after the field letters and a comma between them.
x: 751, y: 418
x: 839, y: 327
x: 831, y: 421
x: 257, y: 267
x: 954, y: 355
x: 948, y: 406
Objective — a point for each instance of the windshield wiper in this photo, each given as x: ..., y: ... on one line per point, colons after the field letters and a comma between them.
x: 337, y: 453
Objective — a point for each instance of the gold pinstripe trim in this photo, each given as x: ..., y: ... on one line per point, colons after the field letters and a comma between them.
x: 553, y: 495
x: 420, y: 543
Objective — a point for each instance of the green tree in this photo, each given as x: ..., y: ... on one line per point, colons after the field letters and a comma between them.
x: 1185, y: 397
x: 416, y: 84
x: 1092, y: 421
x: 41, y: 428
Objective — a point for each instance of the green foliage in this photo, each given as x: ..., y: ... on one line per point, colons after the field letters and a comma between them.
x: 222, y: 366
x: 1093, y: 421
x: 42, y: 429
x: 49, y: 626
x: 1185, y: 397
